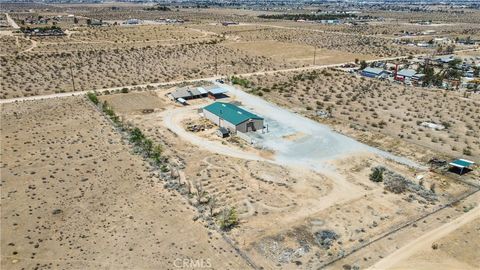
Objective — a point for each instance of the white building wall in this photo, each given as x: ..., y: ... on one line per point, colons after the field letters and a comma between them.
x: 219, y: 122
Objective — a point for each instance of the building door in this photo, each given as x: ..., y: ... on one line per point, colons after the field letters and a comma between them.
x: 250, y: 126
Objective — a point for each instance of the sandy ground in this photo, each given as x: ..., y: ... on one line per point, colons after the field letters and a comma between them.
x: 299, y: 200
x: 297, y: 53
x: 75, y: 197
x: 419, y: 254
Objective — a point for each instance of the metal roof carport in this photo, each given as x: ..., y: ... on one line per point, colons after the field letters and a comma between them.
x: 461, y: 164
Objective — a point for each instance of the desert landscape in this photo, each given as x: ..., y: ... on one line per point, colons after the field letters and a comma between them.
x: 239, y: 136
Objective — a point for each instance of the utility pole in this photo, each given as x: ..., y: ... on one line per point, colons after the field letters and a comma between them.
x: 314, y: 54
x: 71, y: 75
x: 216, y: 64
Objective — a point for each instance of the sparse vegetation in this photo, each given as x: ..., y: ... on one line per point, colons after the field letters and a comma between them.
x: 228, y: 218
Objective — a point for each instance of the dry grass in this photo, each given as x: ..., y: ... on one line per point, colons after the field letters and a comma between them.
x: 36, y: 74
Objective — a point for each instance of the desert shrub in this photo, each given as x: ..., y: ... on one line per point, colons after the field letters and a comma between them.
x: 377, y: 174
x: 136, y: 136
x: 92, y: 97
x: 395, y: 183
x: 228, y: 218
x: 242, y: 82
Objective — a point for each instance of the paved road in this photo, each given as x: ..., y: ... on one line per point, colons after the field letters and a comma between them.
x: 11, y: 22
x: 425, y: 241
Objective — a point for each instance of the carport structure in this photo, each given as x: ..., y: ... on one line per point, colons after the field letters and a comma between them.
x: 461, y: 164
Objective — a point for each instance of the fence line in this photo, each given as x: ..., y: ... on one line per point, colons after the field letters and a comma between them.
x: 402, y: 226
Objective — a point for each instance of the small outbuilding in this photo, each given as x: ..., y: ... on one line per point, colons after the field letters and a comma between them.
x: 373, y: 72
x: 405, y: 74
x: 222, y: 132
x: 232, y: 117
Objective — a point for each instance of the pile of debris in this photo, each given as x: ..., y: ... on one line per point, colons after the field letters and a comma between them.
x: 325, y: 238
x: 432, y: 125
x: 397, y: 184
x: 323, y: 114
x: 198, y: 127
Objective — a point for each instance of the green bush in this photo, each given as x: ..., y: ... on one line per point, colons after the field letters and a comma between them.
x: 242, y: 82
x: 93, y: 97
x: 228, y: 218
x: 377, y: 174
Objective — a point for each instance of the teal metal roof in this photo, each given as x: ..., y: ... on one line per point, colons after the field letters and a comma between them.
x: 230, y: 112
x: 461, y: 163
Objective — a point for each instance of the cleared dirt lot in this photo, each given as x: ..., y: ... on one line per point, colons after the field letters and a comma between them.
x: 77, y: 195
x: 296, y: 53
x: 344, y: 42
x: 74, y: 196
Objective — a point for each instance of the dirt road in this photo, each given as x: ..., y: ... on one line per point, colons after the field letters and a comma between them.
x: 425, y: 241
x: 342, y: 190
x: 315, y: 67
x: 57, y: 95
x: 11, y: 22
x: 172, y: 119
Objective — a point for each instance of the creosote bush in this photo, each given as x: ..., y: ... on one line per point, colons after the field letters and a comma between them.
x: 377, y: 174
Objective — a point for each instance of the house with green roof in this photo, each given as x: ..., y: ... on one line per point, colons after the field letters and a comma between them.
x: 232, y: 117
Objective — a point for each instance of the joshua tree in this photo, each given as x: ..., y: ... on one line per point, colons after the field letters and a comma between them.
x: 200, y: 192
x: 212, y: 204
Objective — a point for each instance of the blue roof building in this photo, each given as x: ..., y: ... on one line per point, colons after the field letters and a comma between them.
x: 373, y: 72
